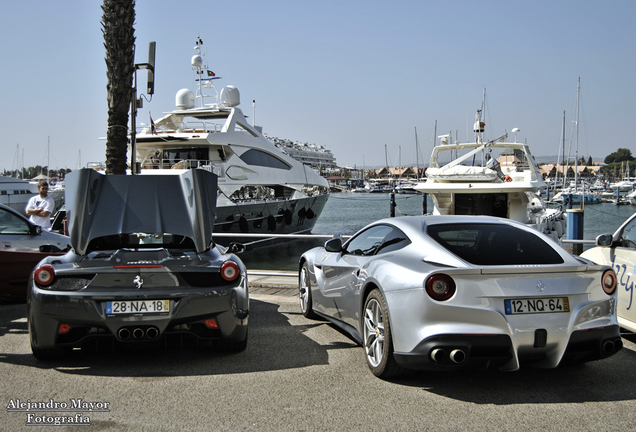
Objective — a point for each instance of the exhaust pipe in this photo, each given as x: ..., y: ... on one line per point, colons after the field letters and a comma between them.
x: 123, y: 333
x: 458, y: 356
x: 438, y: 355
x: 138, y: 333
x: 152, y: 332
x: 608, y: 347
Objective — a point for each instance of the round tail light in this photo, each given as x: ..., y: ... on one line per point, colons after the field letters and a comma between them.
x: 44, y: 275
x: 608, y: 281
x: 440, y: 287
x: 230, y: 270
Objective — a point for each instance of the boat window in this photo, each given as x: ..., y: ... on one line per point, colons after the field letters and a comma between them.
x: 172, y: 156
x: 260, y: 158
x: 12, y: 224
x: 482, y: 204
x: 494, y: 244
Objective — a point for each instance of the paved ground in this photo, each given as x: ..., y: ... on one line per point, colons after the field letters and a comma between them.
x: 298, y: 374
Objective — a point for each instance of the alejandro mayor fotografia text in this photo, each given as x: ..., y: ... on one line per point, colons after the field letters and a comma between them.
x: 35, y: 411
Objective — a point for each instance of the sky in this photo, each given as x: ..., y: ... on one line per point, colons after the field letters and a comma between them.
x: 359, y: 77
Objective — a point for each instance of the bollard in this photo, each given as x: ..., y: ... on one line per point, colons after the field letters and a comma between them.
x: 392, y: 204
x: 424, y: 204
x: 574, y: 230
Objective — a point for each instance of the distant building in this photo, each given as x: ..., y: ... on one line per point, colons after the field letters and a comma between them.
x: 398, y: 172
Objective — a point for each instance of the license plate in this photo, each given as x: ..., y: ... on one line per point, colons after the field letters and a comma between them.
x: 537, y: 305
x: 137, y: 307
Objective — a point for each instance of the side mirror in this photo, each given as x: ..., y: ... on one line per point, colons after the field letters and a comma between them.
x: 333, y: 245
x: 604, y: 240
x: 236, y: 248
x: 36, y: 229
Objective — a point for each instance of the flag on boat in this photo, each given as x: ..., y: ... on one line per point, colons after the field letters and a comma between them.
x: 152, y: 125
x: 210, y: 73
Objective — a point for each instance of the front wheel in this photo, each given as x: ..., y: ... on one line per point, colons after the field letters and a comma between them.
x: 377, y: 339
x: 304, y: 288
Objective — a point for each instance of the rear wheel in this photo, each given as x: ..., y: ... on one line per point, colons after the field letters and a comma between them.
x: 304, y: 287
x: 377, y: 339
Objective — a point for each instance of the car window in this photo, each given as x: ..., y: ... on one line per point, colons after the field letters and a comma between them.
x: 628, y: 235
x: 394, y: 240
x: 494, y: 244
x: 368, y: 241
x: 12, y: 224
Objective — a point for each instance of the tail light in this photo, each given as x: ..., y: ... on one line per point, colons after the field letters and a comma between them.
x: 440, y: 287
x: 44, y: 275
x: 608, y: 281
x: 211, y: 323
x: 230, y: 270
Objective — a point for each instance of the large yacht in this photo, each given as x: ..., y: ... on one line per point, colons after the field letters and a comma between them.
x: 261, y: 189
x: 495, y: 178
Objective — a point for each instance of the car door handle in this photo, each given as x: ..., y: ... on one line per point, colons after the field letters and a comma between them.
x: 6, y: 244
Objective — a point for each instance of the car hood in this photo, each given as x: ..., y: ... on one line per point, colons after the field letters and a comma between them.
x: 101, y: 205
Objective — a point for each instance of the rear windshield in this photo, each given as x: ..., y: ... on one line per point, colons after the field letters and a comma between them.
x: 494, y: 244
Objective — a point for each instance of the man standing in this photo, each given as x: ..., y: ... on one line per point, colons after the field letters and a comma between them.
x: 41, y: 206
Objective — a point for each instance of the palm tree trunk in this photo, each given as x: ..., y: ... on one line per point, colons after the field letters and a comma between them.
x: 119, y: 41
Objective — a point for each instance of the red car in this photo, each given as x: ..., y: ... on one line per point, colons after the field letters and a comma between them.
x: 23, y: 246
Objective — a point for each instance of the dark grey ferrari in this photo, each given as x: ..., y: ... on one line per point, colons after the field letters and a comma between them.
x: 143, y: 268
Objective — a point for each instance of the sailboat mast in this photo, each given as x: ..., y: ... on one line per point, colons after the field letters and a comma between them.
x: 562, y: 151
x: 576, y: 160
x: 417, y: 156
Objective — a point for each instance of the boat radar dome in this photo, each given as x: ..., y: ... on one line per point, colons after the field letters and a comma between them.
x: 197, y: 61
x: 230, y: 96
x: 184, y: 99
x: 516, y: 131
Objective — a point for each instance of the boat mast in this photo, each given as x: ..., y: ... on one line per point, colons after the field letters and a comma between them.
x: 576, y: 160
x: 562, y: 154
x: 417, y: 157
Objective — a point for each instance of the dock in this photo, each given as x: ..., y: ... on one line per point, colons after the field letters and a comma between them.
x: 273, y: 282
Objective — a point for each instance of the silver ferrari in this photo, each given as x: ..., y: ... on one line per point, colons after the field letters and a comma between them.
x: 446, y: 292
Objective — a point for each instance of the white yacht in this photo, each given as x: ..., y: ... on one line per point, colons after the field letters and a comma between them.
x: 494, y: 178
x: 261, y: 189
x: 15, y: 193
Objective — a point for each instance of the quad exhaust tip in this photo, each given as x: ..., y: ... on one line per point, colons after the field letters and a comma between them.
x: 123, y: 333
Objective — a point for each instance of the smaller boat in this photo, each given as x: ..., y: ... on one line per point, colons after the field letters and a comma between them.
x: 493, y: 178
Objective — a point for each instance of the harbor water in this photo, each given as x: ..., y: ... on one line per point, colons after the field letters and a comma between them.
x: 345, y: 213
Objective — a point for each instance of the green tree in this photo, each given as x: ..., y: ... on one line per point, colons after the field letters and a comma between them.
x: 622, y: 154
x: 119, y: 41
